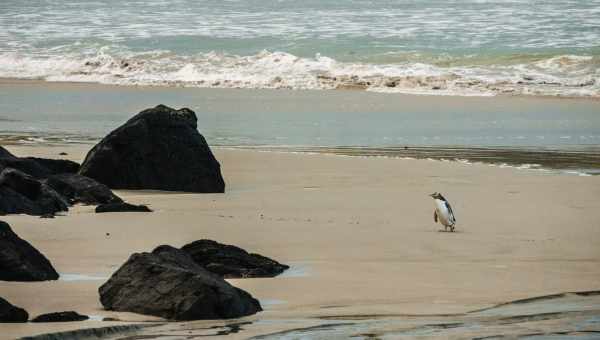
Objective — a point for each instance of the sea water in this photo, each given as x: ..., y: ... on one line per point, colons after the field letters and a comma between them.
x: 41, y: 113
x: 460, y: 47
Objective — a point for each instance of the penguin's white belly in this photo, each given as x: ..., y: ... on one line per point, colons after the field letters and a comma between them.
x: 443, y: 213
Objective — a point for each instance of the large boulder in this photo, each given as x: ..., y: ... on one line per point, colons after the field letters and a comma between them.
x: 167, y: 283
x: 68, y: 316
x: 36, y: 167
x: 10, y: 313
x: 80, y: 189
x: 21, y: 193
x: 159, y: 148
x: 232, y: 262
x: 20, y: 261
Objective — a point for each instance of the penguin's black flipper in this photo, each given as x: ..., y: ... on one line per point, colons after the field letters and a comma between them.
x: 450, y: 211
x: 435, y: 216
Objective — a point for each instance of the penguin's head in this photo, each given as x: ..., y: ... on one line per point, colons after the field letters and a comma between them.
x: 437, y: 195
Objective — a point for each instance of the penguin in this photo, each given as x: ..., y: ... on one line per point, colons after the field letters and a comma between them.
x: 443, y: 212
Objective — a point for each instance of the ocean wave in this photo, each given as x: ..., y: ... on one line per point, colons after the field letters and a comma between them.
x: 560, y: 75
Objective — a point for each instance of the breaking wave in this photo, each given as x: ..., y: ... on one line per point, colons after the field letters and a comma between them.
x: 559, y: 75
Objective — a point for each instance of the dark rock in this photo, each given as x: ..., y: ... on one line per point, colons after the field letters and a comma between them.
x: 80, y: 189
x: 159, y: 148
x: 169, y: 284
x: 10, y: 313
x: 23, y: 194
x: 38, y: 186
x: 121, y: 207
x: 21, y: 183
x: 20, y: 261
x: 232, y: 262
x: 56, y: 166
x: 47, y: 216
x: 63, y: 153
x: 6, y: 154
x: 111, y: 319
x: 60, y: 317
x: 36, y: 167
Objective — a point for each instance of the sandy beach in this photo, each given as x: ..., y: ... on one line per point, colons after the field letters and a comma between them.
x: 277, y: 170
x: 358, y: 233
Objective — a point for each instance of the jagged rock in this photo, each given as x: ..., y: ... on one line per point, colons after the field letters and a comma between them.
x: 230, y: 261
x: 60, y: 317
x: 36, y: 167
x: 21, y: 193
x: 122, y: 207
x: 20, y: 261
x: 10, y: 313
x: 169, y: 284
x: 81, y: 189
x: 159, y: 148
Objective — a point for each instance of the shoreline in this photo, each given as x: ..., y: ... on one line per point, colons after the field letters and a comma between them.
x: 584, y: 161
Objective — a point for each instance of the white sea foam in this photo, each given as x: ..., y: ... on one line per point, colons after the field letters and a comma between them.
x: 95, y: 317
x: 81, y: 277
x: 567, y: 75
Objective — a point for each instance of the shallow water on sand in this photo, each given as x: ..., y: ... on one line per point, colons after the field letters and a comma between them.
x: 564, y: 316
x: 76, y: 113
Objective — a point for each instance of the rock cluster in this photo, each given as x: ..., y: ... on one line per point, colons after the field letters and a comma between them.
x: 169, y: 284
x: 159, y: 148
x: 38, y: 186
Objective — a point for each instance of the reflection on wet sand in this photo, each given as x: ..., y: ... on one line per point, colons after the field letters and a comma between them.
x: 567, y: 315
x: 577, y: 161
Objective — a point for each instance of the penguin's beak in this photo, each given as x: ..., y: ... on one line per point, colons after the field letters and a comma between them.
x: 432, y: 195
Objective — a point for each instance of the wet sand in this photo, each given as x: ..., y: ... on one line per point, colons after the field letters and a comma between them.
x: 357, y: 231
x: 580, y: 161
